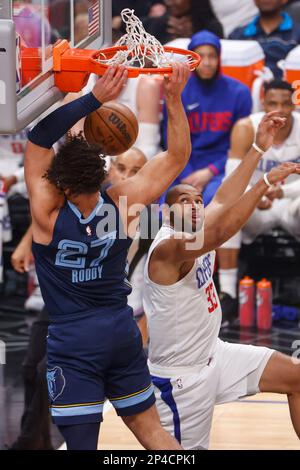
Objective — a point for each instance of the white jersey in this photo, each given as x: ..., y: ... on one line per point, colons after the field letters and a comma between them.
x: 183, y: 318
x: 233, y: 15
x: 289, y: 151
x: 12, y: 149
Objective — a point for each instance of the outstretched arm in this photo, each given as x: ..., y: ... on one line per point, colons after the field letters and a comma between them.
x: 236, y: 183
x: 219, y: 229
x: 44, y: 198
x: 157, y: 175
x: 235, y: 217
x: 231, y: 207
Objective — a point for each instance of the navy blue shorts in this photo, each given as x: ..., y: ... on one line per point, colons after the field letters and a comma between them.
x: 96, y: 357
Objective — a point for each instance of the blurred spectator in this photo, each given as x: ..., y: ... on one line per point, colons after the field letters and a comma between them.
x: 144, y: 9
x: 143, y: 96
x: 12, y: 149
x: 182, y: 19
x: 122, y: 167
x: 126, y: 165
x: 28, y: 22
x: 274, y: 29
x: 81, y: 26
x: 232, y: 13
x: 280, y: 207
x: 5, y: 226
x: 35, y: 422
x: 213, y: 103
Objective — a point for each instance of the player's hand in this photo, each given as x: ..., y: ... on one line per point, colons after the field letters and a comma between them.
x: 270, y: 124
x: 264, y: 204
x: 22, y: 257
x: 109, y: 87
x: 275, y: 192
x: 281, y: 172
x: 175, y: 83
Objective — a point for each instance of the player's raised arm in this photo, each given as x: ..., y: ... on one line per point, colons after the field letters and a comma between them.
x: 157, y: 175
x: 231, y: 207
x: 224, y: 224
x: 43, y: 196
x: 236, y: 183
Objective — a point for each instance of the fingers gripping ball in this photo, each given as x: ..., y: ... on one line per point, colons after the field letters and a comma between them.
x: 113, y: 126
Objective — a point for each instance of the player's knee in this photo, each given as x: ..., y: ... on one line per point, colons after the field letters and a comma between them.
x: 145, y: 422
x: 294, y: 381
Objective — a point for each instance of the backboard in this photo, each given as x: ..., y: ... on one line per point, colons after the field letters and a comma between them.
x: 28, y: 31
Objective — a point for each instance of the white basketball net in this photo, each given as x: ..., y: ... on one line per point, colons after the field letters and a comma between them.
x: 142, y: 47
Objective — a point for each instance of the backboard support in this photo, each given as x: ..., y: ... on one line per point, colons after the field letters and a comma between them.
x: 30, y: 30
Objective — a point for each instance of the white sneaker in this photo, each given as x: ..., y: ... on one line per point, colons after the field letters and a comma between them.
x: 35, y: 301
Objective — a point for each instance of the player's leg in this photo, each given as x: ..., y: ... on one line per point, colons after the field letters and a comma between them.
x: 129, y: 388
x: 185, y: 404
x: 282, y: 375
x: 75, y: 378
x: 81, y: 436
x: 287, y: 212
x: 247, y: 370
x: 228, y: 256
x: 241, y: 369
x: 260, y: 222
x: 149, y: 432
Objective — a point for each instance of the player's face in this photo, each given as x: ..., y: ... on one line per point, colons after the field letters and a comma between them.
x: 268, y: 6
x: 178, y: 8
x: 189, y: 210
x: 209, y: 64
x: 125, y: 166
x: 279, y: 100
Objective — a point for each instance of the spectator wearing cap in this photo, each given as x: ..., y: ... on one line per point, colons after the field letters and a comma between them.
x: 213, y: 103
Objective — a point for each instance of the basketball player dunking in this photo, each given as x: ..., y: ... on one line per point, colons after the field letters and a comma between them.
x: 94, y: 346
x: 191, y: 368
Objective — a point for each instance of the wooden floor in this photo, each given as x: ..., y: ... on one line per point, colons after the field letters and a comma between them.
x: 260, y: 422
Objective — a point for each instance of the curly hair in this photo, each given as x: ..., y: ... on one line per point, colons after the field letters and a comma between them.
x: 77, y: 167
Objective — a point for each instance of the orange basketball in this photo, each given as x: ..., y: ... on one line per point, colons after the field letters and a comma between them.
x: 113, y: 126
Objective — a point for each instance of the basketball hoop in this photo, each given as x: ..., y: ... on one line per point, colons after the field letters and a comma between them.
x: 137, y: 51
x: 122, y: 55
x: 142, y: 53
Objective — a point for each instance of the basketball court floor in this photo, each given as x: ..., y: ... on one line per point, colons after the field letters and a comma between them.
x: 255, y: 423
x: 259, y: 422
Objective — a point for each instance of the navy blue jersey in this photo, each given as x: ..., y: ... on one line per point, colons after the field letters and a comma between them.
x: 84, y: 267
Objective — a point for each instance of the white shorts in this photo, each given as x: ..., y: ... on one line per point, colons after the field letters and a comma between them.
x: 185, y: 402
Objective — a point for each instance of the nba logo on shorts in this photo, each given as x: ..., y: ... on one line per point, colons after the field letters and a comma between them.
x: 56, y: 382
x: 179, y: 383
